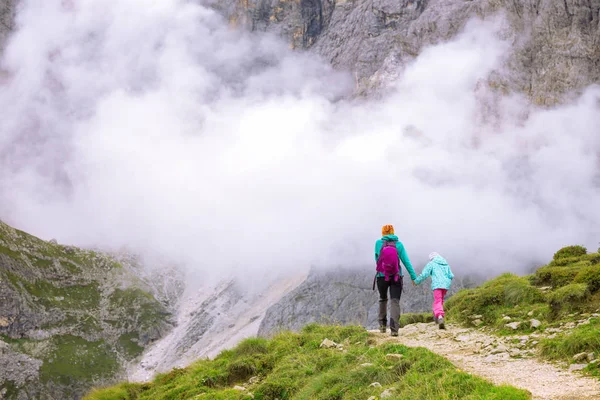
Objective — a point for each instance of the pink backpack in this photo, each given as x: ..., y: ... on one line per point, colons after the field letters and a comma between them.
x: 388, y: 262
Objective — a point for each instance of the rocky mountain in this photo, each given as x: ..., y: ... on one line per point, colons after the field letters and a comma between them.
x: 73, y: 318
x: 556, y: 43
x: 70, y: 318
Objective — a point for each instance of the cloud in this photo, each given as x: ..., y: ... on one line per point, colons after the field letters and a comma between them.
x: 158, y: 128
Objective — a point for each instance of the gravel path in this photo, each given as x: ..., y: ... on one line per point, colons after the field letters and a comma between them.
x: 498, y: 361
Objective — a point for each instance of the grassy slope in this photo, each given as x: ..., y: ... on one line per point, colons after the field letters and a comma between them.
x: 293, y: 366
x: 560, y: 294
x: 73, y: 285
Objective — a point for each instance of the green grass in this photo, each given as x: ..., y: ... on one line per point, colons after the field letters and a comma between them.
x: 413, y: 318
x: 136, y: 302
x: 7, y: 251
x: 129, y: 346
x: 585, y: 338
x: 76, y: 296
x: 73, y: 359
x: 9, y: 389
x: 493, y: 299
x: 293, y: 366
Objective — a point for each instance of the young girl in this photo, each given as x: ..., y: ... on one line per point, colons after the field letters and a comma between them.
x: 441, y: 278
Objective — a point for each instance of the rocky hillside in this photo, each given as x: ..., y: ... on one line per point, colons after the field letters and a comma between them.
x: 556, y: 43
x: 69, y: 318
x: 344, y: 297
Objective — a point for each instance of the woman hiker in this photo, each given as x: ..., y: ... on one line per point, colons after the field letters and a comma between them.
x: 388, y: 252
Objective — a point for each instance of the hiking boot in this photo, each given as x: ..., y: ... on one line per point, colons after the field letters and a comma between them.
x: 440, y: 322
x: 382, y: 329
x: 394, y: 333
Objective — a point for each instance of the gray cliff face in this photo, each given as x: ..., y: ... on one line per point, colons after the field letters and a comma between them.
x: 70, y: 318
x: 344, y: 296
x: 556, y: 43
x: 7, y: 17
x: 8, y: 9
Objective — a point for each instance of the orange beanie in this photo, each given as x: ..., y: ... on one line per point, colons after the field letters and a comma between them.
x: 387, y: 230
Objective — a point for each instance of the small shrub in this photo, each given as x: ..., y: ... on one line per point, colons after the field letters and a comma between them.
x: 570, y: 251
x: 568, y: 297
x: 241, y: 370
x: 270, y: 390
x: 170, y: 376
x: 413, y: 318
x: 252, y: 346
x: 565, y: 261
x: 402, y: 367
x: 554, y: 276
x: 212, y: 378
x: 590, y: 276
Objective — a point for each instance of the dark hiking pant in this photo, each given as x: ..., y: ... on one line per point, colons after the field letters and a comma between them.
x: 395, y: 289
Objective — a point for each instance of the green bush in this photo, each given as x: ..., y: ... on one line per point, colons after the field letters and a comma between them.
x: 252, y: 346
x: 414, y: 318
x: 271, y: 390
x: 570, y: 251
x: 569, y: 297
x: 590, y: 276
x: 554, y: 276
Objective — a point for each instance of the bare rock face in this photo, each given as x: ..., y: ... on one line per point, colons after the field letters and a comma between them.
x: 556, y: 43
x: 7, y: 19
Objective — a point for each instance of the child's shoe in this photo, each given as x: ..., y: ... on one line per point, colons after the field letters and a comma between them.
x: 440, y: 322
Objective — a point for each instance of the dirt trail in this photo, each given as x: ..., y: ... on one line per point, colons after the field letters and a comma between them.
x: 498, y: 361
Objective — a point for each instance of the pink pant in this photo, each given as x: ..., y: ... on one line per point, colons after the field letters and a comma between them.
x: 438, y: 302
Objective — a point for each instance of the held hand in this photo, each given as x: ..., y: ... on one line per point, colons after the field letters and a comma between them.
x: 414, y: 284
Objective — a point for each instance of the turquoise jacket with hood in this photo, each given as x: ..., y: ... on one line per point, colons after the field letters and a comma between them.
x: 401, y: 253
x: 440, y: 272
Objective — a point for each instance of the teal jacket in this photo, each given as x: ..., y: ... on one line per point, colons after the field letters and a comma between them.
x: 401, y: 253
x: 440, y: 272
